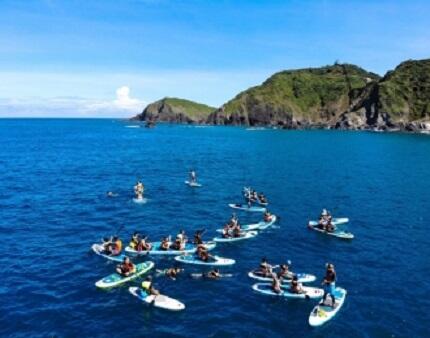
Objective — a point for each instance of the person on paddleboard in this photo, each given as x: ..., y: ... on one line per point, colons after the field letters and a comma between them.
x: 265, y: 268
x: 143, y: 244
x: 198, y: 240
x: 233, y: 220
x: 178, y: 245
x: 236, y: 230
x: 295, y: 286
x: 193, y: 176
x: 135, y: 239
x: 139, y: 189
x: 148, y: 287
x: 182, y: 237
x: 126, y: 267
x: 204, y: 255
x: 262, y: 198
x: 329, y: 283
x: 164, y: 244
x: 226, y: 231
x: 267, y: 217
x: 276, y: 284
x: 284, y: 272
x: 330, y: 227
x: 112, y: 246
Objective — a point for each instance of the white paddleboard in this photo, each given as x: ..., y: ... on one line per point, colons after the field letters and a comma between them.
x: 160, y: 301
x: 193, y: 184
x: 308, y: 291
x: 246, y: 235
x: 322, y: 313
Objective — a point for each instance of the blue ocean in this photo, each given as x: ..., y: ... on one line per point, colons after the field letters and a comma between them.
x: 55, y: 174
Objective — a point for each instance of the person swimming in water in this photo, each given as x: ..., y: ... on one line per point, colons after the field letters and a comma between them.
x: 329, y: 283
x: 126, y: 268
x: 213, y: 274
x: 172, y: 273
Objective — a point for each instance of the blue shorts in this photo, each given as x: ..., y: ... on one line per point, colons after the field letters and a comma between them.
x: 330, y: 288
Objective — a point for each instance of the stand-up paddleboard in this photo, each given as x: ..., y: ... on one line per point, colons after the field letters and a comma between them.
x: 99, y: 249
x: 155, y: 250
x: 214, y: 261
x: 142, y: 200
x: 336, y: 233
x: 255, y: 226
x: 308, y: 292
x: 246, y: 207
x: 302, y: 277
x: 205, y: 276
x: 245, y: 235
x: 116, y: 279
x: 193, y: 184
x: 324, y: 311
x: 160, y: 301
x: 335, y: 221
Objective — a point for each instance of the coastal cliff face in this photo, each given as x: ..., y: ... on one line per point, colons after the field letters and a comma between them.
x: 176, y: 111
x: 303, y: 98
x: 340, y: 96
x: 400, y: 100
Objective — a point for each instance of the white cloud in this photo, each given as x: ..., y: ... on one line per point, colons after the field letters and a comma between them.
x: 124, y: 101
x: 88, y: 94
x: 123, y: 106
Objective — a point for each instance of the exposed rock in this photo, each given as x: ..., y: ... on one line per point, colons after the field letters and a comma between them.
x: 176, y: 111
x: 340, y: 96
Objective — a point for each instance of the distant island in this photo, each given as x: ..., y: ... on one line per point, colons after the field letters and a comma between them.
x: 341, y: 96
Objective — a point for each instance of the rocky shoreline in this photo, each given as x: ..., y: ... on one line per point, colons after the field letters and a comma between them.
x: 341, y: 96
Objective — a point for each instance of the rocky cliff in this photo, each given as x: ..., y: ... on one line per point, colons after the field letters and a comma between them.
x: 176, y: 111
x: 400, y: 100
x: 312, y: 97
x: 341, y: 96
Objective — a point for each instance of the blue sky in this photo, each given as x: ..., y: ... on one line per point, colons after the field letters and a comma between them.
x: 110, y: 58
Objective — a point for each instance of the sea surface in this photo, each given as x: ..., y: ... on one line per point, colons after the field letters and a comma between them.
x: 53, y: 206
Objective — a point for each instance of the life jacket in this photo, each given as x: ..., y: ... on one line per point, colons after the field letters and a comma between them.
x: 133, y: 243
x: 146, y: 285
x: 127, y: 267
x: 118, y: 245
